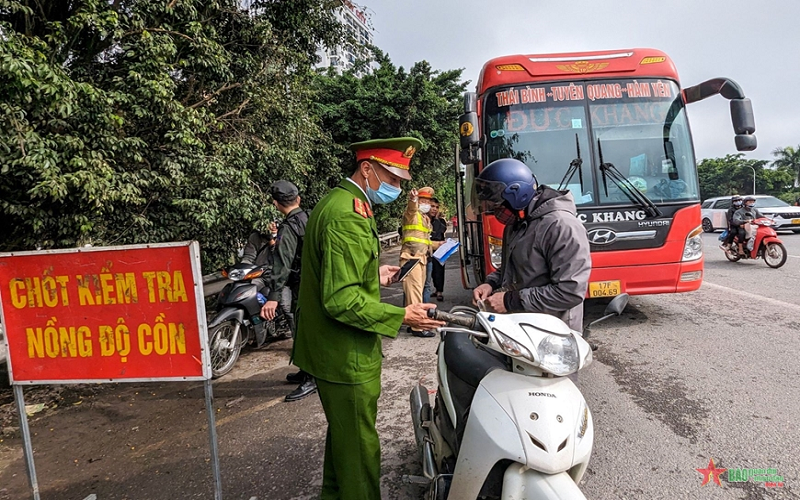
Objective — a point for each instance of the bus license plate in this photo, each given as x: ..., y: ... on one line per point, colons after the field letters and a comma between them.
x: 604, y: 288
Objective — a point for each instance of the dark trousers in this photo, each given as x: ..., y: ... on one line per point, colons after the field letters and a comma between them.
x: 742, y: 234
x: 286, y: 303
x: 438, y: 275
x: 352, y: 469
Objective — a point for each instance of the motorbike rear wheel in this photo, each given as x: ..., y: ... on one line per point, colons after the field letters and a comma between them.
x: 732, y: 255
x: 775, y: 255
x: 224, y: 346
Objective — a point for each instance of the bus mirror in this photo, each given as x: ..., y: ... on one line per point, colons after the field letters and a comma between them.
x: 742, y: 117
x: 470, y: 138
x: 470, y: 102
x: 470, y: 156
x: 745, y: 142
x: 468, y: 129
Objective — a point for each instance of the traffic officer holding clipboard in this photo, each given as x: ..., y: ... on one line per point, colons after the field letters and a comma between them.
x: 341, y: 318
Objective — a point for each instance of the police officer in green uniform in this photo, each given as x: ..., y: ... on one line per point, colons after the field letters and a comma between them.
x: 341, y: 318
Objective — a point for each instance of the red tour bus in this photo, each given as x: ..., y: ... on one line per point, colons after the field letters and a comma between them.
x: 611, y: 127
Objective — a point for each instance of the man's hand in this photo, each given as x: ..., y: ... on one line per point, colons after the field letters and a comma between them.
x: 417, y: 317
x: 269, y: 309
x: 387, y: 274
x: 412, y: 195
x: 495, y: 303
x: 481, y: 293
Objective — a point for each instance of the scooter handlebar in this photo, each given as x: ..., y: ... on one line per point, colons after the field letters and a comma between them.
x: 456, y: 319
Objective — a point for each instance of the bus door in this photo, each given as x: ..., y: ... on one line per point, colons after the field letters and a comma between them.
x: 470, y: 231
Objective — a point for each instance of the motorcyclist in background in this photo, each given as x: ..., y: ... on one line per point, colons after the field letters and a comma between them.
x: 741, y: 220
x: 736, y: 204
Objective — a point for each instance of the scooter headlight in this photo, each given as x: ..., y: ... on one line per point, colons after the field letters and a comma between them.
x: 558, y: 355
x: 236, y: 274
x: 511, y: 346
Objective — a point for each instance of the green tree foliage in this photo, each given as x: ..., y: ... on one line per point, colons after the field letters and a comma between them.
x: 788, y: 158
x: 733, y: 174
x: 132, y: 121
x: 387, y: 101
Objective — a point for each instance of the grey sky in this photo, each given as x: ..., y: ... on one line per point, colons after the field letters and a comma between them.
x: 755, y: 43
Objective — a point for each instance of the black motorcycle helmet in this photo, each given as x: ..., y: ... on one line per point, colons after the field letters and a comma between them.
x: 736, y: 201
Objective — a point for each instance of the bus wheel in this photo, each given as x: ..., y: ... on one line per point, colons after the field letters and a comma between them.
x: 775, y: 255
x: 708, y: 226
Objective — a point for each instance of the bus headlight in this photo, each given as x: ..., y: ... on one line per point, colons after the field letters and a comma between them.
x: 693, y: 248
x: 496, y: 251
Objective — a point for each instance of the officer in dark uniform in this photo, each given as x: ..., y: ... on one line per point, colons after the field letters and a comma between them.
x: 341, y: 319
x: 284, y: 282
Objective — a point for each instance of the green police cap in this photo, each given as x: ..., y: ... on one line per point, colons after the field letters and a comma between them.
x: 393, y: 154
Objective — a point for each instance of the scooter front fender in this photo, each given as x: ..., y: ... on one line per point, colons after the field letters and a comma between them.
x: 521, y: 483
x: 770, y: 239
x: 227, y: 314
x: 542, y: 423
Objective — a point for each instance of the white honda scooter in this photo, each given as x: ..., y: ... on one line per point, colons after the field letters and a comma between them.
x: 508, y: 424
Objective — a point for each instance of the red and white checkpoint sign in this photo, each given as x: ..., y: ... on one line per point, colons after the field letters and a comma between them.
x: 114, y: 314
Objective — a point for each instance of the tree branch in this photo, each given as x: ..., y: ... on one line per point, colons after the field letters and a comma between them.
x: 234, y: 111
x: 214, y: 94
x: 159, y: 30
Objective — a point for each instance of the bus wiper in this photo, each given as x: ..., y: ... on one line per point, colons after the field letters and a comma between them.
x: 574, y: 166
x: 609, y: 171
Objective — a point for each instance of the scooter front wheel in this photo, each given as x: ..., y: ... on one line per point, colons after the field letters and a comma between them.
x: 775, y: 255
x: 224, y: 347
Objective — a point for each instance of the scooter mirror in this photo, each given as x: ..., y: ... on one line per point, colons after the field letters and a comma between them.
x: 617, y: 304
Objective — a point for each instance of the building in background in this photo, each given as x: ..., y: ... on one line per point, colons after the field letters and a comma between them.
x: 342, y: 58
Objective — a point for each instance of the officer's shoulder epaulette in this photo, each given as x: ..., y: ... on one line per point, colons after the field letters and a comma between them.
x: 362, y: 208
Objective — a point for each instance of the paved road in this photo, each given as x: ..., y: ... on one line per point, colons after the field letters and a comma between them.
x: 678, y: 379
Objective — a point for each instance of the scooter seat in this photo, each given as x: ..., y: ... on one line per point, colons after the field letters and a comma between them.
x: 469, y: 362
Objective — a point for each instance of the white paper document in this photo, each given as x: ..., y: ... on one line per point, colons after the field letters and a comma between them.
x: 447, y: 249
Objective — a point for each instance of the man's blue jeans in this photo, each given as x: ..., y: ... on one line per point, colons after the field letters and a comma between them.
x: 428, y: 290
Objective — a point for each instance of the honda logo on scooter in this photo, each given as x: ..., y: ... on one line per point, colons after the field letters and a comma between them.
x: 542, y: 394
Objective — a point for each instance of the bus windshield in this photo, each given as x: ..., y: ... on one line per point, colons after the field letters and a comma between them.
x: 638, y: 126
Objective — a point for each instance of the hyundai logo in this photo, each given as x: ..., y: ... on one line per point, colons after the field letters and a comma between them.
x: 602, y: 236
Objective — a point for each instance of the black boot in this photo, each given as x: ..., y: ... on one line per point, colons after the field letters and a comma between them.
x: 303, y: 390
x: 297, y: 377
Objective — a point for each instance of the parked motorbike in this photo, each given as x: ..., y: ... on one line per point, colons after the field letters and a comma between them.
x: 507, y: 422
x: 237, y: 322
x: 766, y: 245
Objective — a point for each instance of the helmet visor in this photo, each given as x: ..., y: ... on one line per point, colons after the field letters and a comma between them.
x: 487, y: 195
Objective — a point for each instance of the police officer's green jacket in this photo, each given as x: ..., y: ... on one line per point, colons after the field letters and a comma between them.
x: 340, y: 314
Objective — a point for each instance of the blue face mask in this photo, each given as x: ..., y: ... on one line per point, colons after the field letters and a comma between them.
x: 386, y: 193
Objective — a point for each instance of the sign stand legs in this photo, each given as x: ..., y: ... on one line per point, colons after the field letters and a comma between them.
x: 212, y: 436
x: 26, y: 440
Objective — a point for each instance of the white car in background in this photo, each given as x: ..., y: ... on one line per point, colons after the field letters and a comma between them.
x: 713, y: 211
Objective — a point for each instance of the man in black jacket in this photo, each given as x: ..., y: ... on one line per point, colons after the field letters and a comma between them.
x: 284, y: 282
x: 439, y: 226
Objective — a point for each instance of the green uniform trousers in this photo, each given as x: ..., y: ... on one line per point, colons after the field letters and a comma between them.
x: 352, y: 448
